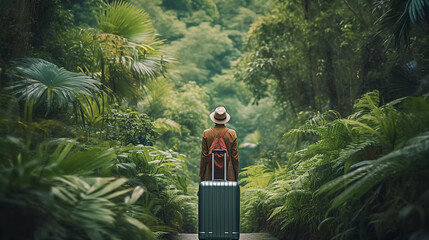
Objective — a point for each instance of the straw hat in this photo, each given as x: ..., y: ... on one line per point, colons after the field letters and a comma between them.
x: 220, y: 116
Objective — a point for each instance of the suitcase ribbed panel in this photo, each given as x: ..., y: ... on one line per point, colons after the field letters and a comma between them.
x: 219, y: 210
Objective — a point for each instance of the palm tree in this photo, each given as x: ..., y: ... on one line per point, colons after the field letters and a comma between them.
x: 129, y: 49
x: 126, y: 20
x: 401, y: 16
x: 40, y: 82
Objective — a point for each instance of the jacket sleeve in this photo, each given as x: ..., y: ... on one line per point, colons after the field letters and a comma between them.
x: 204, y: 154
x: 234, y: 157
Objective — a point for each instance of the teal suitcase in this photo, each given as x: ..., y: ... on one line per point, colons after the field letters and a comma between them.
x: 219, y: 208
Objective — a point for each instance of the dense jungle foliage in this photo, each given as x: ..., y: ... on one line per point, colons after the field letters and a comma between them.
x: 103, y: 104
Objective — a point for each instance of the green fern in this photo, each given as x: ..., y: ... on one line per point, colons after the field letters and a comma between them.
x: 337, y: 160
x: 409, y: 158
x: 255, y: 177
x: 352, y: 153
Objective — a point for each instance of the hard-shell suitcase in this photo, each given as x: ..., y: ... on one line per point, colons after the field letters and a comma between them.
x: 219, y: 207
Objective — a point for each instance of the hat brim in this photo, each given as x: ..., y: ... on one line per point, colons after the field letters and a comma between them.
x: 217, y: 121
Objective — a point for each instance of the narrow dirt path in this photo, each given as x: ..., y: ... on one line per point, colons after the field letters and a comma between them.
x: 243, y: 236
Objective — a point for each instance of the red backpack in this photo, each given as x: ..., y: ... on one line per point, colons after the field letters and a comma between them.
x: 218, y: 143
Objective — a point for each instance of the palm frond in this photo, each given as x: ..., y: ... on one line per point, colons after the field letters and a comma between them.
x: 405, y: 80
x: 126, y: 20
x: 68, y: 159
x: 90, y: 204
x: 44, y: 82
x: 92, y: 111
x: 164, y: 125
x: 402, y: 15
x: 130, y: 49
x: 417, y: 10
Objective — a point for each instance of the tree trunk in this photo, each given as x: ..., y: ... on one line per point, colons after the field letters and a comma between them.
x: 283, y: 86
x: 306, y: 6
x: 330, y: 79
x: 373, y: 58
x: 311, y: 80
x: 22, y: 16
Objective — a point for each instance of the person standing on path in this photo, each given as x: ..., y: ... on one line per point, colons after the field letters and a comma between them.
x: 220, y: 117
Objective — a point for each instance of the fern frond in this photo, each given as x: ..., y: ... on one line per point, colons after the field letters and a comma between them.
x: 351, y: 151
x: 368, y: 102
x: 410, y: 158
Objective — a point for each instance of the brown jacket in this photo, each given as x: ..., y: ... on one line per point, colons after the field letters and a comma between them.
x: 231, y: 143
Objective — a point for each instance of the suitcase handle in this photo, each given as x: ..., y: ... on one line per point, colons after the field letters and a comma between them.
x: 219, y: 150
x: 224, y: 163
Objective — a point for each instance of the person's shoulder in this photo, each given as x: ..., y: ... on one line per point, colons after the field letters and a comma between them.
x: 208, y: 130
x: 232, y: 132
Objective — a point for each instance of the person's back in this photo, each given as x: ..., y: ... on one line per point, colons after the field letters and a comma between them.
x: 219, y: 201
x: 219, y: 117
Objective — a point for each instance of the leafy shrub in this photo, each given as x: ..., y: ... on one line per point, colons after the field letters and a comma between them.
x: 164, y: 175
x: 130, y: 127
x: 51, y: 193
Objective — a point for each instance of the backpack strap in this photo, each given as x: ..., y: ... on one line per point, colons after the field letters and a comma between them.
x: 223, y: 135
x: 214, y: 133
x: 225, y: 132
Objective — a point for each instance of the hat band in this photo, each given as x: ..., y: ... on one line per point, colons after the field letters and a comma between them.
x: 220, y: 119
